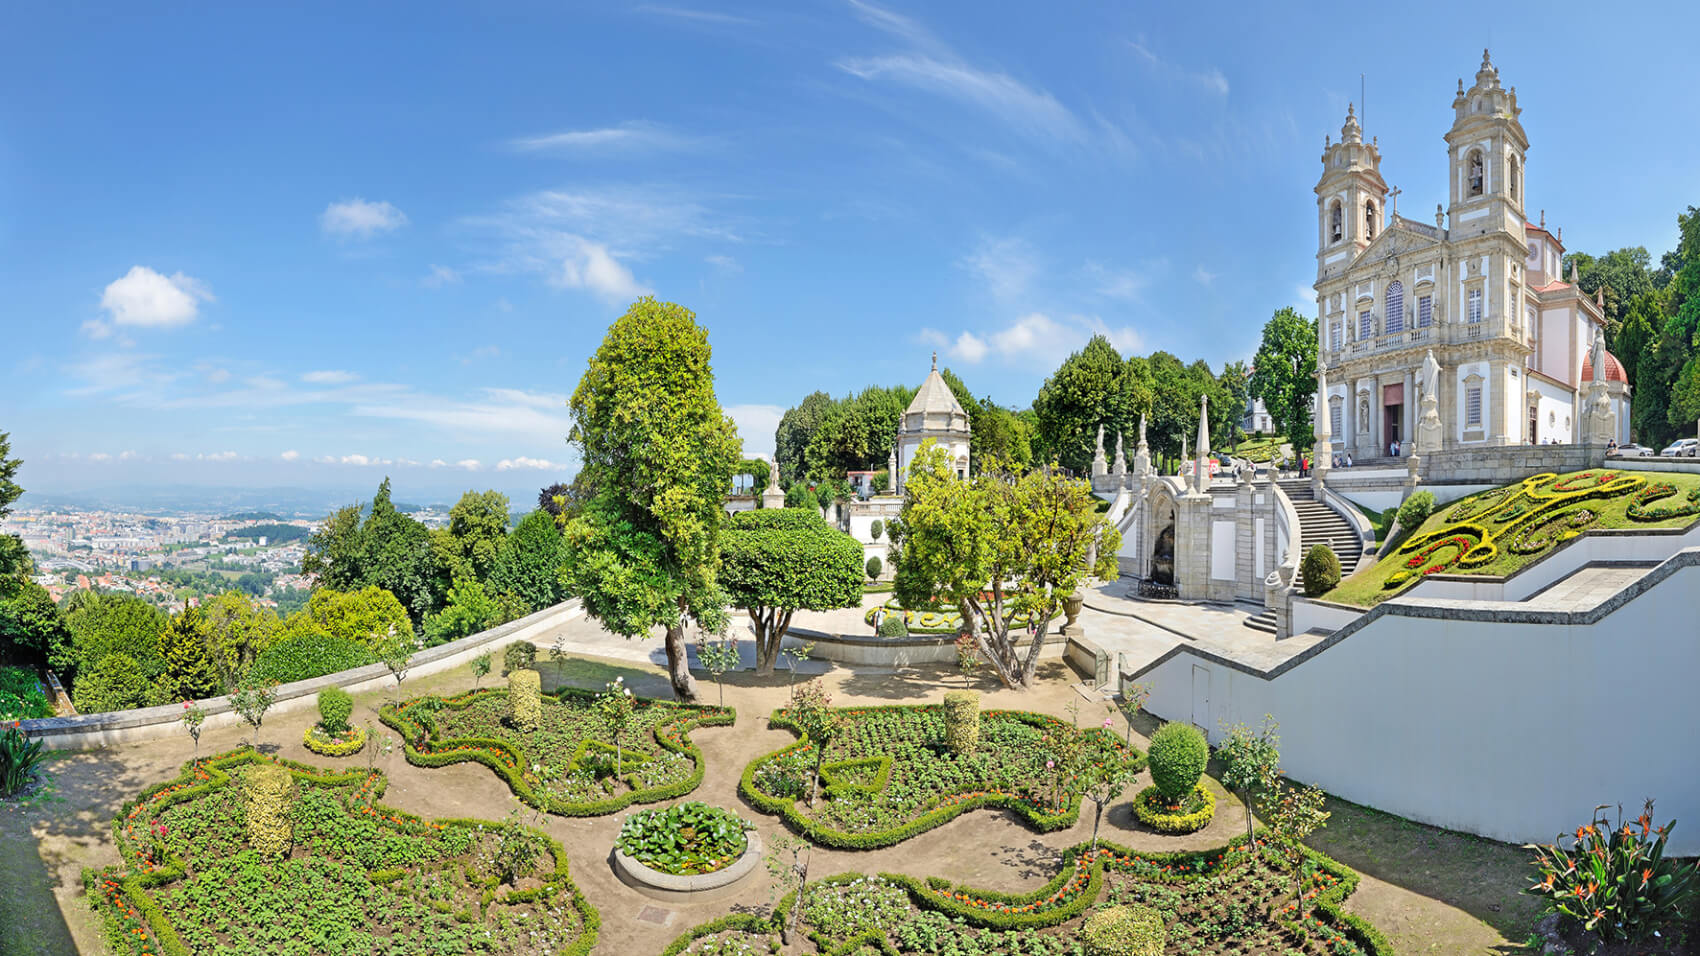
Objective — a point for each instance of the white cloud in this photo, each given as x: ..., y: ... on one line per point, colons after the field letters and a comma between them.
x: 290, y: 455
x: 629, y: 136
x: 1209, y: 79
x: 143, y: 297
x: 534, y: 464
x: 357, y: 460
x: 724, y: 263
x: 1037, y: 338
x: 470, y: 464
x: 595, y: 269
x: 217, y: 456
x: 96, y: 329
x: 360, y: 219
x: 440, y: 276
x: 502, y: 411
x: 328, y: 377
x: 127, y: 456
x: 1115, y: 283
x: 969, y: 348
x: 756, y: 426
x: 179, y: 456
x: 1204, y: 276
x: 100, y: 456
x: 439, y: 463
x: 1008, y: 266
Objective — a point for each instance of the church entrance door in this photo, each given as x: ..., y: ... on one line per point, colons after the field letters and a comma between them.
x: 1392, y: 413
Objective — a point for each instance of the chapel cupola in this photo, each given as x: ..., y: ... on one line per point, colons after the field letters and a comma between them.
x: 1351, y: 196
x: 1488, y: 148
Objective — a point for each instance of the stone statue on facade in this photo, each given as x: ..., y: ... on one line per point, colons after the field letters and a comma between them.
x: 1120, y: 465
x: 1598, y: 355
x: 1428, y: 422
x: 1100, y: 465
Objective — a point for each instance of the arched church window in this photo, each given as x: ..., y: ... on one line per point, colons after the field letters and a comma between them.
x: 1475, y: 174
x: 1395, y: 306
x: 1511, y: 178
x: 1369, y: 220
x: 1336, y: 224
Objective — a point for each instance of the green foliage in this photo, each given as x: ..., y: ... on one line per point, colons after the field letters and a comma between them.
x: 237, y: 632
x: 251, y: 699
x: 531, y: 563
x: 103, y: 624
x: 1032, y: 532
x: 525, y: 699
x: 1250, y: 760
x: 13, y: 558
x: 307, y: 655
x: 19, y: 756
x: 775, y: 562
x: 1092, y: 388
x: 519, y: 655
x: 21, y: 697
x: 367, y: 616
x: 799, y: 496
x: 876, y: 529
x: 1416, y: 510
x: 477, y: 530
x: 1616, y: 882
x: 189, y: 672
x: 684, y: 839
x: 1320, y: 570
x: 1124, y: 931
x: 33, y: 632
x: 389, y: 550
x: 1177, y: 757
x: 892, y: 625
x: 515, y: 849
x: 1192, y: 812
x: 335, y: 706
x: 823, y: 438
x: 717, y: 657
x: 961, y: 721
x: 116, y: 682
x: 273, y: 532
x: 480, y: 667
x: 660, y: 452
x: 469, y: 610
x: 268, y: 792
x: 874, y: 567
x: 1285, y: 376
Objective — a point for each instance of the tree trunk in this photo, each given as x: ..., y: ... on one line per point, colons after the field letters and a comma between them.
x: 814, y: 782
x: 1250, y: 831
x: 1030, y: 666
x: 1096, y: 820
x: 770, y: 627
x: 679, y: 666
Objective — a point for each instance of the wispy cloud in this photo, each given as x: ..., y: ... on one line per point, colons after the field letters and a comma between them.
x: 359, y: 219
x: 1209, y: 79
x: 529, y: 464
x: 724, y: 263
x: 506, y: 412
x: 696, y: 16
x: 1115, y: 283
x: 633, y: 135
x: 329, y: 377
x: 1034, y: 338
x: 1204, y: 276
x: 1008, y: 265
x: 440, y: 276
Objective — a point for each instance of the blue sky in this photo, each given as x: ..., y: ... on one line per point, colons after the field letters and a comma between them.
x: 314, y: 245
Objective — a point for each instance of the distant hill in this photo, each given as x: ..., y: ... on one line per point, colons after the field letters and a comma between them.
x: 273, y: 533
x: 253, y: 516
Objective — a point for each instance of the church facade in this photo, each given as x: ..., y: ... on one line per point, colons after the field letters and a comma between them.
x: 1481, y: 290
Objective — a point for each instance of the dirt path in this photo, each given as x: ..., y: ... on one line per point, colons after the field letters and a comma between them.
x: 1430, y: 890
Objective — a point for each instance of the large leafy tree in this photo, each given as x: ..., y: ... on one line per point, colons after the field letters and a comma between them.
x: 1089, y: 390
x: 477, y: 528
x: 32, y: 630
x: 236, y: 633
x: 644, y: 551
x: 777, y: 561
x: 796, y: 428
x: 189, y: 671
x: 1622, y: 273
x: 389, y: 550
x: 997, y: 546
x: 1284, y: 373
x: 367, y: 616
x: 14, y: 560
x: 106, y: 624
x: 1000, y: 434
x: 470, y: 609
x: 531, y: 563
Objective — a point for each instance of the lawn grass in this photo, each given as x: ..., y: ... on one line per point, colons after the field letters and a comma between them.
x: 1528, y: 506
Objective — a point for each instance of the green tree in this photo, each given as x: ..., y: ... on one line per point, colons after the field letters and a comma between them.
x: 472, y: 541
x: 116, y: 682
x: 1235, y: 385
x: 1641, y: 318
x: 1085, y: 393
x: 796, y: 427
x: 470, y: 609
x: 1623, y: 274
x: 799, y: 496
x: 237, y: 632
x: 106, y: 624
x: 189, y: 672
x: 32, y: 630
x: 778, y: 561
x: 531, y: 563
x: 997, y: 546
x: 1284, y: 374
x: 644, y: 551
x: 388, y: 550
x: 1250, y: 760
x: 365, y: 616
x: 1000, y: 434
x: 14, y: 560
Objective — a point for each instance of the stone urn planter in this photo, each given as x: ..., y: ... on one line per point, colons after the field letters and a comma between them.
x: 1071, y: 608
x: 699, y: 887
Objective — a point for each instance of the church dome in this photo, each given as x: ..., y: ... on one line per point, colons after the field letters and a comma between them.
x: 1614, y: 369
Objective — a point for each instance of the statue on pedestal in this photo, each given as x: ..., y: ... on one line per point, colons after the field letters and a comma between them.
x: 1428, y: 424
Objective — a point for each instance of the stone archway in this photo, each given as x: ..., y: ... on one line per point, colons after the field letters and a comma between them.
x: 1163, y: 556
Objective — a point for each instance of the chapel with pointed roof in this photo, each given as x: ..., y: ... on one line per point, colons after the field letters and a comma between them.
x: 933, y: 413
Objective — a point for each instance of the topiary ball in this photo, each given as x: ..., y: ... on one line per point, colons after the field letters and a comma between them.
x: 1416, y: 510
x: 873, y: 568
x: 1124, y: 931
x: 1320, y: 570
x: 1177, y: 758
x: 893, y: 626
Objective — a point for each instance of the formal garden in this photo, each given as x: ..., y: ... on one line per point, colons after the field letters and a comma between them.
x: 1500, y: 531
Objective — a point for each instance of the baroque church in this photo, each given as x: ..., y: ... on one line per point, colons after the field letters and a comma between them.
x: 1474, y: 307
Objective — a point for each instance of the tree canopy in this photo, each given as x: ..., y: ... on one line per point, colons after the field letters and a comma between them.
x: 777, y: 561
x: 366, y: 616
x: 660, y: 453
x: 14, y: 560
x: 389, y: 550
x: 1284, y: 374
x: 477, y: 529
x: 532, y: 562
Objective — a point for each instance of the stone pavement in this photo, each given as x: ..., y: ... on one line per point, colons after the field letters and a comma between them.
x: 1145, y: 630
x: 1588, y: 588
x: 584, y: 635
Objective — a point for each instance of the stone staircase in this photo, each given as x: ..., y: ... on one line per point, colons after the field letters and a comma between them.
x: 1318, y: 524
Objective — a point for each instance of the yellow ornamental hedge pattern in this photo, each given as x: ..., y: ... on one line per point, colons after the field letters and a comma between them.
x: 525, y: 699
x: 1528, y: 518
x: 267, y: 806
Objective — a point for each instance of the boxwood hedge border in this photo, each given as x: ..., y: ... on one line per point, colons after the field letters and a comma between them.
x: 508, y: 763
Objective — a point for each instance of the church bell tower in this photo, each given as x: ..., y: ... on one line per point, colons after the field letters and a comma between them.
x: 1487, y: 147
x: 1350, y: 197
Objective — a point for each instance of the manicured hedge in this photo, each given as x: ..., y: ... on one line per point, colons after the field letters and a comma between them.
x: 507, y: 762
x: 950, y: 809
x: 1150, y: 812
x: 325, y: 745
x: 309, y: 655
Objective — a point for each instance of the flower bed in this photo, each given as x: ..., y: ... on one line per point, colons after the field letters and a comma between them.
x: 936, y: 620
x: 888, y: 776
x: 362, y: 877
x: 685, y: 839
x: 350, y: 741
x: 568, y: 766
x: 1222, y: 900
x: 1194, y: 813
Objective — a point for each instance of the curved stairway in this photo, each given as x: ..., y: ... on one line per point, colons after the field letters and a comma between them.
x: 1318, y: 524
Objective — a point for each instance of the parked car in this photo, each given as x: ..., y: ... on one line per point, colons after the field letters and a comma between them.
x: 1682, y: 448
x: 1632, y: 450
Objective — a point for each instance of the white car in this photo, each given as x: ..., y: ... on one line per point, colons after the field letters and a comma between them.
x: 1682, y: 448
x: 1632, y: 450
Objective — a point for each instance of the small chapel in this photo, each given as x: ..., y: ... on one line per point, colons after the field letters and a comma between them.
x: 936, y: 414
x: 1474, y: 308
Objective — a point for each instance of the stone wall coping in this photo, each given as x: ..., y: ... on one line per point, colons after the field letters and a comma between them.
x: 60, y: 732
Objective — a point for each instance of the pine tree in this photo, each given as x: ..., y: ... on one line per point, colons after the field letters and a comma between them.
x: 188, y: 667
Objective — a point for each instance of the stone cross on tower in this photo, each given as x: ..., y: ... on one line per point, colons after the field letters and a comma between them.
x: 1393, y: 196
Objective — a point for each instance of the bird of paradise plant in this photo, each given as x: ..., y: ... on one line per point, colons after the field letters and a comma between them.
x: 1615, y: 882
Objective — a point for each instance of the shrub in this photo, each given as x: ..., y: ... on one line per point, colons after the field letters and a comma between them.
x: 519, y: 656
x: 873, y: 567
x: 876, y: 529
x: 19, y: 756
x: 307, y: 655
x: 1320, y: 570
x: 21, y: 697
x: 525, y: 699
x: 684, y: 839
x: 892, y: 626
x: 1177, y: 757
x: 1416, y: 510
x: 351, y: 741
x: 1155, y: 810
x: 1124, y: 931
x: 267, y: 808
x: 799, y: 496
x: 1615, y: 881
x: 961, y: 721
x: 335, y: 706
x: 116, y: 682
